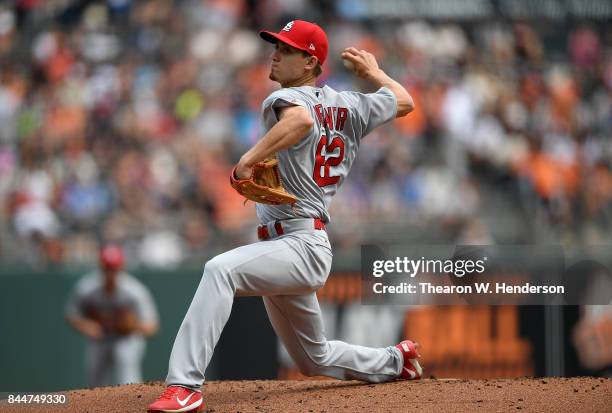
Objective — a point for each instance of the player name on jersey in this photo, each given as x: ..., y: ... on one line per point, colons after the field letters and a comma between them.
x: 335, y: 117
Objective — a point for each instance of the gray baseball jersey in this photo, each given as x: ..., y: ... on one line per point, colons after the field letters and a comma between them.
x: 288, y: 268
x: 121, y: 353
x: 315, y: 167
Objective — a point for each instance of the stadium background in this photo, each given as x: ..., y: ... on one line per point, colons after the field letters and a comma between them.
x: 121, y: 121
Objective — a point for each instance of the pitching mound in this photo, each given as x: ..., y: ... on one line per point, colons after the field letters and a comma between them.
x: 585, y: 394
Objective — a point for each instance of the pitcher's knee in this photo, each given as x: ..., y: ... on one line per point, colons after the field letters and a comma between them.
x: 217, y: 271
x: 212, y: 266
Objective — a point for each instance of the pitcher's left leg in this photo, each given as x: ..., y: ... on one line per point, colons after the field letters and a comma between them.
x: 297, y: 321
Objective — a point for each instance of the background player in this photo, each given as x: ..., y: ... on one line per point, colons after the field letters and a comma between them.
x: 115, y: 311
x: 315, y: 133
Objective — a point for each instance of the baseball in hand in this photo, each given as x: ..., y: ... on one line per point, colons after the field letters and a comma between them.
x: 349, y: 65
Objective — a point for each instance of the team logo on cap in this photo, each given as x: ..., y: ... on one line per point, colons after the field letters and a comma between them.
x: 288, y: 26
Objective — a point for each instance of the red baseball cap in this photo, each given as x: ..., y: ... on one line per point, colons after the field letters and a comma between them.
x: 111, y: 257
x: 302, y: 35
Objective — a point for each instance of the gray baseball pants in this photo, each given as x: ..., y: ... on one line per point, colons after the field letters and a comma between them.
x: 115, y: 360
x: 287, y: 271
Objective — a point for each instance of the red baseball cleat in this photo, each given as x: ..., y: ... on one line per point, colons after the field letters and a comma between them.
x: 412, y: 369
x: 177, y: 399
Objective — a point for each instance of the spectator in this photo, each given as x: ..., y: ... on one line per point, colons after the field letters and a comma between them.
x: 123, y: 118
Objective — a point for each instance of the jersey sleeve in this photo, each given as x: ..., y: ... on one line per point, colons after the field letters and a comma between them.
x: 280, y: 99
x: 373, y: 109
x: 74, y: 305
x: 72, y: 309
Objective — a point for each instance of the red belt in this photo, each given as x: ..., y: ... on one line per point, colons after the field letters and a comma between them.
x: 263, y: 233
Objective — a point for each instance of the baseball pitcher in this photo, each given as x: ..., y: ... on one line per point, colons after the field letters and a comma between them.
x: 312, y: 135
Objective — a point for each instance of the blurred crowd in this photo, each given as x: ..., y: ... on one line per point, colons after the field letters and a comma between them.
x: 121, y: 121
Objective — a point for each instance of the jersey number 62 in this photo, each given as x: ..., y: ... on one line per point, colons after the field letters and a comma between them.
x: 325, y: 158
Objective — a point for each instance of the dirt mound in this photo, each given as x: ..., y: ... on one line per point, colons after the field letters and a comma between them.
x: 587, y: 394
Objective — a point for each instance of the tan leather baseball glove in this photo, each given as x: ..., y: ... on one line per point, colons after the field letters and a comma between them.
x: 126, y: 322
x: 264, y: 186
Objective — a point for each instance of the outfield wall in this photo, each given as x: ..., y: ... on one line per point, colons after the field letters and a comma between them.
x: 38, y: 350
